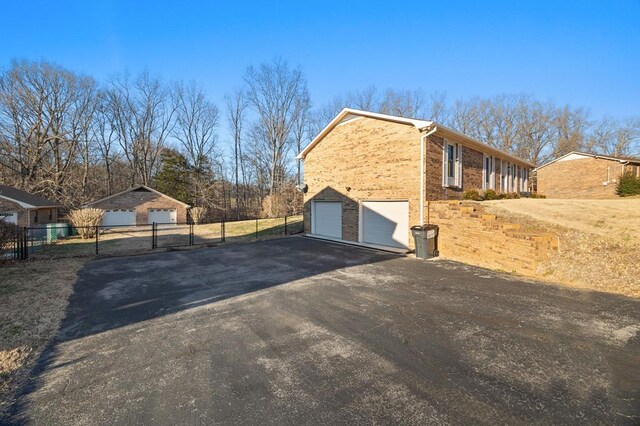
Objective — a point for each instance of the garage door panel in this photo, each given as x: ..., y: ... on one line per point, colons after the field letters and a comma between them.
x: 9, y: 217
x: 327, y: 218
x: 162, y: 216
x: 125, y: 217
x: 386, y: 223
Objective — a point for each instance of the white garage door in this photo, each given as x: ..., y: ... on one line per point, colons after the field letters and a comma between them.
x: 119, y: 218
x: 162, y: 216
x: 385, y: 223
x: 326, y: 218
x: 10, y: 217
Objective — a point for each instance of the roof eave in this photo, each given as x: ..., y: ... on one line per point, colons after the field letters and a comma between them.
x: 482, y: 146
x: 418, y: 124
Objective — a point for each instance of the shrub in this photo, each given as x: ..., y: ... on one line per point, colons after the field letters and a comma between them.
x: 628, y: 185
x: 85, y: 221
x: 8, y: 232
x: 285, y: 201
x: 490, y: 194
x: 502, y: 196
x: 472, y: 194
x: 537, y: 195
x: 197, y: 214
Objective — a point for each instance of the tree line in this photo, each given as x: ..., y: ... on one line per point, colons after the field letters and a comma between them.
x: 71, y: 138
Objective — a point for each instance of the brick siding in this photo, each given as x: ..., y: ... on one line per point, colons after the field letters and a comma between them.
x: 141, y: 201
x: 469, y: 235
x: 370, y: 159
x: 364, y: 159
x: 582, y: 178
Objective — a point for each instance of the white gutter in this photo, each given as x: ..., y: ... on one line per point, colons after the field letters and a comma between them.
x: 422, y: 176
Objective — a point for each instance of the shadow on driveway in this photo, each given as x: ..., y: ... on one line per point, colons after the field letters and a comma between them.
x: 304, y: 331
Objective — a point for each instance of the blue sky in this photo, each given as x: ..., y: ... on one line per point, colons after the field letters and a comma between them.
x: 584, y: 53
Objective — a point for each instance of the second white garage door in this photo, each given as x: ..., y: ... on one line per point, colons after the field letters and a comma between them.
x: 162, y: 216
x: 326, y: 218
x: 385, y: 223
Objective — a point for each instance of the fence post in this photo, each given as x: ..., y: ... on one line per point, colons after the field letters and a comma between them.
x: 285, y: 224
x: 18, y: 246
x: 96, y: 229
x: 223, y: 230
x: 192, y: 227
x: 25, y: 246
x: 153, y: 236
x: 256, y: 228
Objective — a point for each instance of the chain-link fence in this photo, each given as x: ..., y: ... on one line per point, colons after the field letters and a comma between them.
x: 64, y: 240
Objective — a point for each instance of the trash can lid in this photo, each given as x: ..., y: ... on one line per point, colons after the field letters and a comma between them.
x: 417, y: 228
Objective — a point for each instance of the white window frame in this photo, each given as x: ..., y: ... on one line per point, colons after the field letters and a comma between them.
x: 491, y: 170
x: 454, y: 181
x: 524, y: 179
x: 506, y: 185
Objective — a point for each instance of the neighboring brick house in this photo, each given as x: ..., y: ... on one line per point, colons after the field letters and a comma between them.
x: 583, y: 175
x: 25, y: 209
x: 141, y: 205
x: 369, y: 177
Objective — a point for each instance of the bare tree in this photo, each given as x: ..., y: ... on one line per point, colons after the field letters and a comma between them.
x: 105, y: 133
x: 196, y: 120
x: 615, y: 137
x: 319, y: 118
x: 365, y: 99
x: 464, y: 116
x: 274, y: 90
x: 571, y: 127
x: 236, y: 103
x: 45, y: 118
x: 143, y: 113
x: 300, y: 130
x: 406, y: 103
x: 436, y: 108
x: 535, y: 133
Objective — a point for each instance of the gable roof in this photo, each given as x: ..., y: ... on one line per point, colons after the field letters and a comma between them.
x: 25, y: 199
x: 596, y: 156
x: 133, y: 188
x: 422, y: 125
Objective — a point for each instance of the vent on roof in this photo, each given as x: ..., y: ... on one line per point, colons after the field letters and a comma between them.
x: 141, y: 190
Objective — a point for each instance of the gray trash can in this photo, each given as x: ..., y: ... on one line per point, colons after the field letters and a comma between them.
x: 426, y: 240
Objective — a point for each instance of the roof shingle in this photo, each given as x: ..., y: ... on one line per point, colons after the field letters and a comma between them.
x: 26, y: 197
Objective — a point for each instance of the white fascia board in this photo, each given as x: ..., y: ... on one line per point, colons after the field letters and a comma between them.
x: 20, y: 203
x: 418, y: 124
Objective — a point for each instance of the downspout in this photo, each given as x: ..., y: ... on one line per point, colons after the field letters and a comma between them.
x: 422, y: 170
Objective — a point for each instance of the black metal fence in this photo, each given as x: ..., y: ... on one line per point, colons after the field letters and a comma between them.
x: 63, y: 240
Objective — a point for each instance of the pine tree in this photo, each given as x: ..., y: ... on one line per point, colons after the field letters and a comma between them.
x: 173, y: 177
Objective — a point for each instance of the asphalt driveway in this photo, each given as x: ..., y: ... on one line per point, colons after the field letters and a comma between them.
x: 298, y: 331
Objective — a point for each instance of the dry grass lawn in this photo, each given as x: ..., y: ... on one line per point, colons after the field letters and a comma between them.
x: 33, y: 299
x: 129, y: 240
x: 599, y: 240
x: 617, y: 219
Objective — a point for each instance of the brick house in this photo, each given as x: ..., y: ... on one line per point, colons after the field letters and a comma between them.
x: 25, y: 209
x: 369, y: 177
x: 141, y: 205
x: 583, y: 175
